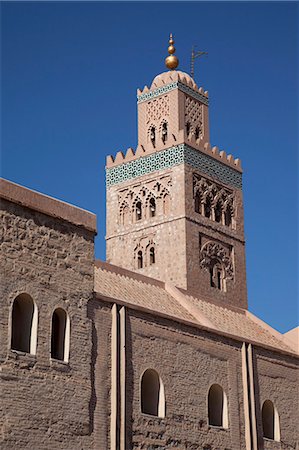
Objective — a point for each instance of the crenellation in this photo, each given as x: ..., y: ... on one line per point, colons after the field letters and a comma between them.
x: 130, y: 155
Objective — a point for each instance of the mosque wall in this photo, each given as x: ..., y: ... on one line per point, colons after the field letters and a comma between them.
x: 46, y: 262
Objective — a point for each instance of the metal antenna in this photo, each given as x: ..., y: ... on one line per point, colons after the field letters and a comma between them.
x: 195, y: 54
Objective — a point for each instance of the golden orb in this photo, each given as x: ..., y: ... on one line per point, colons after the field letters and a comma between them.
x: 171, y: 49
x: 171, y: 62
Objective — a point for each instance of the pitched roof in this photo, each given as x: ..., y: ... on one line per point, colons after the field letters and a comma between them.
x: 156, y: 297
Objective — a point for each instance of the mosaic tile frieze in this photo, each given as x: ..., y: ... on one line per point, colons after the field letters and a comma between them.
x: 170, y: 87
x: 171, y: 157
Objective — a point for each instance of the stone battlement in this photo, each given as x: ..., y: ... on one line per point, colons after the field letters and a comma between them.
x: 214, y: 152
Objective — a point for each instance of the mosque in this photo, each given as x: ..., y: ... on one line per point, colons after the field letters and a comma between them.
x: 155, y: 348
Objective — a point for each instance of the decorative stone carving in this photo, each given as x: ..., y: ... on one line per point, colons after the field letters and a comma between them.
x: 154, y: 192
x: 157, y: 109
x: 220, y: 199
x: 193, y: 114
x: 213, y: 251
x: 171, y: 157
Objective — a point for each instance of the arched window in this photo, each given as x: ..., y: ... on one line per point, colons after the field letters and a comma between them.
x: 166, y: 204
x: 197, y: 203
x: 139, y: 260
x: 125, y: 215
x: 152, y: 207
x: 24, y: 324
x: 218, y: 211
x: 153, y: 135
x: 208, y: 207
x: 197, y: 132
x: 228, y: 216
x: 152, y: 256
x: 152, y: 394
x: 138, y: 211
x: 60, y: 338
x: 217, y: 407
x: 164, y: 132
x: 217, y: 275
x: 270, y: 419
x: 188, y: 128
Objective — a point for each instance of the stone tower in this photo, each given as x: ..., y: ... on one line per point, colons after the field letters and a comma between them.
x: 174, y: 206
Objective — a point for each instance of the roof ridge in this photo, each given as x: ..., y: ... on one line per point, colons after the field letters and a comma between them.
x: 128, y: 273
x: 192, y: 309
x: 276, y: 334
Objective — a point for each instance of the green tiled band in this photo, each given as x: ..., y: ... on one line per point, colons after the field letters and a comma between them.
x: 171, y: 157
x: 169, y: 87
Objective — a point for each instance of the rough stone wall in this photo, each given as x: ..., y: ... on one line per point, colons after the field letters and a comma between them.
x: 278, y: 381
x: 166, y: 231
x: 189, y: 362
x: 199, y: 231
x: 46, y: 404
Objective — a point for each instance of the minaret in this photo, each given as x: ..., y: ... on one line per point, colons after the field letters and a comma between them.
x: 174, y: 206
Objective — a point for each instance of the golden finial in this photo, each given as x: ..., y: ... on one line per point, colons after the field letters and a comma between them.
x: 171, y: 61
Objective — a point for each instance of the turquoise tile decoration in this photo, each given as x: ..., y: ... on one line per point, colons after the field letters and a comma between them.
x: 170, y: 87
x: 171, y: 157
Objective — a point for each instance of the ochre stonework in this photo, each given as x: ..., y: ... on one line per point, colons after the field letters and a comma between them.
x: 171, y: 302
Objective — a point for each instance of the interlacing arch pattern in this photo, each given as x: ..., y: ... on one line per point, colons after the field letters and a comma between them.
x: 193, y: 117
x: 144, y: 203
x: 217, y: 261
x: 157, y: 108
x: 213, y: 201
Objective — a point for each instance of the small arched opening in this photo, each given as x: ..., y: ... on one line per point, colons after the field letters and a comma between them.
x: 152, y: 394
x: 60, y: 336
x: 164, y: 132
x: 218, y: 211
x: 197, y: 203
x: 270, y: 419
x: 208, y: 207
x: 152, y: 207
x: 228, y: 216
x: 166, y: 204
x: 217, y: 275
x: 125, y: 215
x: 197, y: 132
x: 152, y: 256
x: 139, y: 260
x: 217, y: 407
x: 138, y: 211
x: 153, y: 136
x: 24, y: 324
x: 188, y: 128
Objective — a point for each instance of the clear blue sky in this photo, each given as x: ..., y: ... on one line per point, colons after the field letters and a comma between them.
x: 69, y: 77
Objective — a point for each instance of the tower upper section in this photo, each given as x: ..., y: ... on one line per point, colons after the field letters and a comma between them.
x: 174, y: 206
x: 172, y: 111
